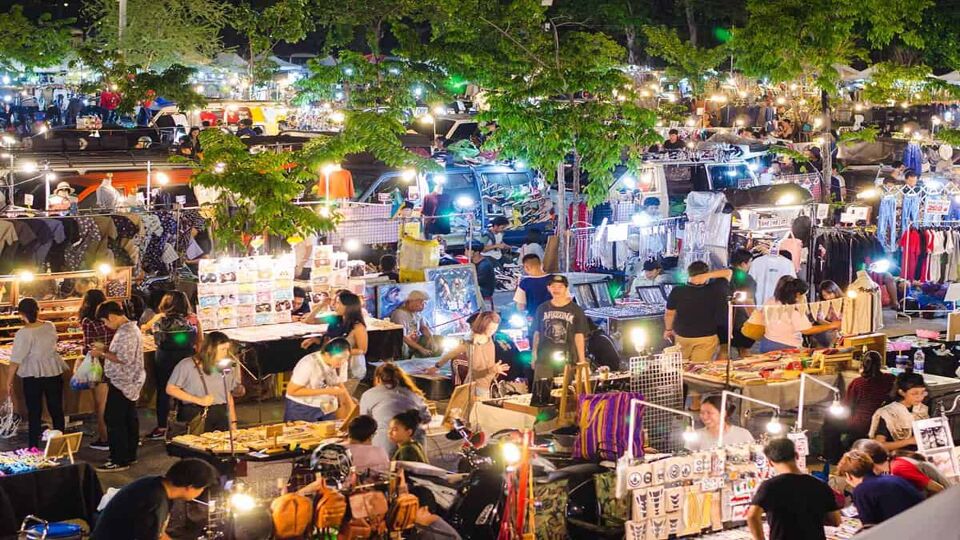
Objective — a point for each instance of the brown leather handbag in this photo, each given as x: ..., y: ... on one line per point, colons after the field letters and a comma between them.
x: 331, y: 509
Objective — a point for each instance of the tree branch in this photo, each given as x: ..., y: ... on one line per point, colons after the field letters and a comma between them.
x: 514, y: 41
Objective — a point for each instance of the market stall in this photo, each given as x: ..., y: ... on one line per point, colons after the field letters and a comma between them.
x: 33, y: 485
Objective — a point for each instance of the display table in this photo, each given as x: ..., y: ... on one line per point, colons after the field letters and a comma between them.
x: 55, y: 494
x: 514, y: 412
x: 786, y: 394
x: 275, y: 348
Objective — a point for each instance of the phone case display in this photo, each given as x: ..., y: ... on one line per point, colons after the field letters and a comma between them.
x: 304, y: 435
x: 236, y: 292
x: 686, y: 495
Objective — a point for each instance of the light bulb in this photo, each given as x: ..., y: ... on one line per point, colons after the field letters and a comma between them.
x: 838, y: 410
x: 25, y: 275
x: 351, y: 244
x: 408, y: 174
x: 774, y: 427
x: 639, y: 338
x: 449, y: 343
x: 558, y: 357
x: 242, y: 502
x: 851, y: 294
x: 104, y: 269
x: 464, y: 202
x: 162, y: 179
x: 517, y: 320
x: 690, y: 435
x: 511, y: 453
x: 628, y: 181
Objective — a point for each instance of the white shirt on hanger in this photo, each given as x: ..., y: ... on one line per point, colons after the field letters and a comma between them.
x: 767, y: 271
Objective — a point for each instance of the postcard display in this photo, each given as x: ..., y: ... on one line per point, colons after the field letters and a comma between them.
x: 687, y: 495
x: 236, y: 292
x: 330, y: 270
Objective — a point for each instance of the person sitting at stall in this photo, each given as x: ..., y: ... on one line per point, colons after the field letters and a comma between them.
x: 912, y: 183
x: 246, y: 128
x: 673, y: 141
x: 785, y: 329
x: 301, y: 305
x: 892, y: 424
x: 480, y: 352
x: 139, y: 510
x: 908, y: 465
x: 175, y: 329
x: 651, y: 274
x: 899, y: 169
x: 95, y: 332
x: 828, y: 290
x: 696, y: 310
x: 864, y: 396
x: 315, y: 390
x: 797, y: 504
x: 197, y: 382
x: 351, y: 326
x: 388, y: 267
x: 367, y: 458
x: 601, y: 349
x: 486, y: 275
x: 35, y: 359
x: 393, y: 392
x: 709, y: 434
x: 417, y: 336
x: 402, y: 429
x: 877, y: 497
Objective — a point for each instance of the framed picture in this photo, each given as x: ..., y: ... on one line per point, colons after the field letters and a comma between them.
x: 933, y: 434
x: 63, y: 446
x: 390, y: 297
x: 458, y: 297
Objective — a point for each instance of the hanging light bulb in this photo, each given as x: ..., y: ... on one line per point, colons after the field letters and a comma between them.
x: 690, y: 435
x: 774, y: 427
x: 837, y: 409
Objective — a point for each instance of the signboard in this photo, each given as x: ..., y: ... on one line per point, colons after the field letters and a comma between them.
x: 938, y: 206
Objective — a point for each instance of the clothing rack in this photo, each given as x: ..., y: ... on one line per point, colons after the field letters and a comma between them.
x: 816, y: 233
x: 902, y: 304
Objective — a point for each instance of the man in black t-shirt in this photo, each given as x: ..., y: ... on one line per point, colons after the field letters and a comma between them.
x: 559, y: 331
x: 140, y: 509
x: 696, y: 311
x: 797, y: 504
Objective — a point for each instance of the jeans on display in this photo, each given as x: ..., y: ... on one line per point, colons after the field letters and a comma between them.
x: 35, y: 390
x: 887, y: 223
x: 910, y: 214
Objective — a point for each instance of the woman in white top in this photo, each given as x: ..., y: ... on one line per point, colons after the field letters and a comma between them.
x: 316, y: 390
x: 709, y: 434
x: 35, y: 359
x: 481, y: 353
x: 785, y: 328
x: 892, y: 424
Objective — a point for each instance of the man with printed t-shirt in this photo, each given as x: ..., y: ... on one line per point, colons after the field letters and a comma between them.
x: 559, y: 331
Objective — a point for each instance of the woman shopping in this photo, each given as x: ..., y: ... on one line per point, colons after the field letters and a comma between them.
x: 784, y: 327
x: 892, y: 424
x: 198, y: 384
x: 175, y: 329
x: 393, y: 393
x: 95, y: 333
x: 35, y: 359
x: 480, y: 352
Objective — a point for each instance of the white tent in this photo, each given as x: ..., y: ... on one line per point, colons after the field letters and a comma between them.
x: 953, y: 77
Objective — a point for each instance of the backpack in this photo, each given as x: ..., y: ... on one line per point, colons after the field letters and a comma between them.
x: 292, y: 514
x: 175, y: 333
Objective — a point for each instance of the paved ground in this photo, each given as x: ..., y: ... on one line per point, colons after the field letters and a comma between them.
x: 154, y: 460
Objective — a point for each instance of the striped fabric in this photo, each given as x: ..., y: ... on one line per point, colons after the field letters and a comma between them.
x: 604, y: 421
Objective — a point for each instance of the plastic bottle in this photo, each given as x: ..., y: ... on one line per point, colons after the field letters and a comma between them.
x: 901, y: 362
x: 918, y: 360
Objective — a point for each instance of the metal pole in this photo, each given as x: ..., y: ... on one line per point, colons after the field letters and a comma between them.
x: 122, y: 23
x: 563, y: 264
x: 729, y: 338
x: 149, y: 181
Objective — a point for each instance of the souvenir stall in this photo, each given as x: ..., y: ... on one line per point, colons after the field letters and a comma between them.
x: 34, y: 485
x: 59, y: 296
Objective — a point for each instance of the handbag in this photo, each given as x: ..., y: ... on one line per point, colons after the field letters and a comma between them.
x: 331, y: 508
x: 194, y: 426
x: 753, y: 328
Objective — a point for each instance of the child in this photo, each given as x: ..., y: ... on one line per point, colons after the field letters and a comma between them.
x: 401, y: 431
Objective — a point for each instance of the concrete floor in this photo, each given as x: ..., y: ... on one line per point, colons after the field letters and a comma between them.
x: 154, y: 460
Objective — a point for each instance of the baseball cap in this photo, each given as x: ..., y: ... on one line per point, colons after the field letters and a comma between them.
x: 417, y: 295
x: 558, y: 278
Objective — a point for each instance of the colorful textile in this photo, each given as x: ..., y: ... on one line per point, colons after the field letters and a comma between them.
x: 604, y: 421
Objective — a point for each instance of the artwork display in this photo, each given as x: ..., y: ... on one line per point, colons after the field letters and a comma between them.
x: 236, y: 292
x: 935, y: 442
x: 390, y: 297
x: 457, y: 297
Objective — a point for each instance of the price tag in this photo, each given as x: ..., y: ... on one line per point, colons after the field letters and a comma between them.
x: 938, y: 206
x: 274, y: 431
x: 823, y: 210
x: 181, y: 199
x: 28, y: 199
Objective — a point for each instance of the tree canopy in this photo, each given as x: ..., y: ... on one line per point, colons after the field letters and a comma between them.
x: 27, y: 44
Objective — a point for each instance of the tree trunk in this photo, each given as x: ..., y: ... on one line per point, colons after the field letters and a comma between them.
x: 631, y: 34
x: 251, y: 69
x: 576, y: 173
x: 691, y: 21
x: 827, y: 178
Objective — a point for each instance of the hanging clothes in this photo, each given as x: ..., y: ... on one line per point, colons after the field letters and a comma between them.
x: 839, y: 253
x: 707, y: 230
x: 863, y: 313
x: 913, y: 158
x: 887, y: 223
x: 767, y: 270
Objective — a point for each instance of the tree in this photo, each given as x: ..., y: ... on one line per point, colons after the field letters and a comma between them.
x: 26, y: 44
x: 138, y: 86
x: 377, y: 99
x: 160, y: 33
x: 554, y: 90
x: 618, y: 18
x: 283, y: 21
x: 255, y: 192
x: 684, y: 59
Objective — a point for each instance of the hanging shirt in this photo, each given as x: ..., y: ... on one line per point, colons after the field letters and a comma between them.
x: 767, y: 271
x: 910, y: 244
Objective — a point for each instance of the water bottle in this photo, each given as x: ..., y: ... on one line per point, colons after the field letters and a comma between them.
x: 901, y: 362
x: 918, y: 359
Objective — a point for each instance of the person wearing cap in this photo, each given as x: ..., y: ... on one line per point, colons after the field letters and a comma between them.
x: 486, y: 276
x: 651, y: 274
x: 417, y: 337
x: 559, y: 331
